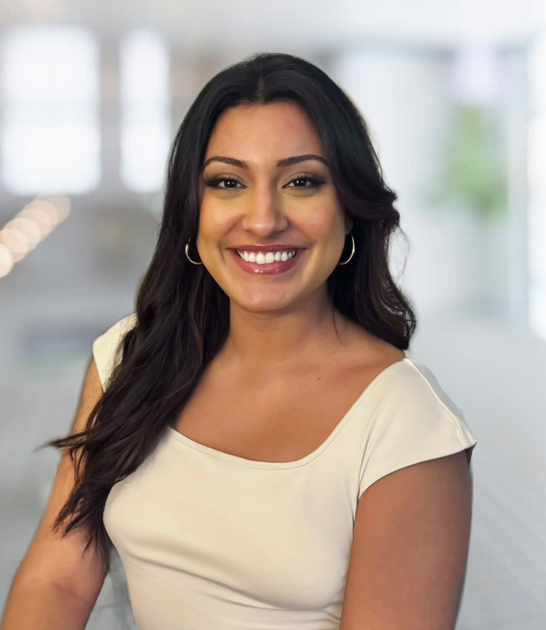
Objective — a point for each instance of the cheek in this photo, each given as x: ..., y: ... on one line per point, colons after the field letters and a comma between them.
x: 324, y: 225
x: 213, y: 224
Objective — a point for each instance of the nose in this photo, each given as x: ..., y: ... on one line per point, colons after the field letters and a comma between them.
x: 264, y: 214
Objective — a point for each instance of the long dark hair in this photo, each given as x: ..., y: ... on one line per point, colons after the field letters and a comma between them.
x: 182, y: 315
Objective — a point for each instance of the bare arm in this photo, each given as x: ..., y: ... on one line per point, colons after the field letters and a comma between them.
x: 410, y: 548
x: 41, y: 605
x: 56, y: 585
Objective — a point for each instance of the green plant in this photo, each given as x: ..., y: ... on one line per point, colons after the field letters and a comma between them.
x: 473, y: 172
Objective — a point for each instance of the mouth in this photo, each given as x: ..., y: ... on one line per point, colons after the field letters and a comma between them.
x: 270, y: 263
x: 266, y: 258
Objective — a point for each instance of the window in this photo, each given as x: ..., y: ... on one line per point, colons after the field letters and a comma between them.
x: 145, y: 119
x: 50, y: 127
x: 537, y: 189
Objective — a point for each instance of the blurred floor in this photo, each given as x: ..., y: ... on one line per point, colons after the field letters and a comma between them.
x: 494, y: 375
x: 497, y: 378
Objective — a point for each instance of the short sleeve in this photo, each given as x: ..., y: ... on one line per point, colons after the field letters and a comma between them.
x: 415, y: 421
x: 107, y: 349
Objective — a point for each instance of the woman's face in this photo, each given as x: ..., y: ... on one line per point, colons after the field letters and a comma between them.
x: 250, y: 199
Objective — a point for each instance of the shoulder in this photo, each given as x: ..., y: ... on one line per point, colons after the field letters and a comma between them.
x: 107, y: 347
x: 414, y: 385
x: 410, y: 419
x: 402, y: 383
x: 105, y: 341
x: 122, y: 325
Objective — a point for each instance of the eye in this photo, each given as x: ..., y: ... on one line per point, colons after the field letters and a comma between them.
x: 215, y: 181
x: 306, y: 178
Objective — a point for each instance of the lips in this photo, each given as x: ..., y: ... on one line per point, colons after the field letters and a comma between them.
x: 274, y: 268
x: 266, y: 248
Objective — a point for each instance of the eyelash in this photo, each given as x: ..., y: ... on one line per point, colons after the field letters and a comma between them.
x: 213, y: 182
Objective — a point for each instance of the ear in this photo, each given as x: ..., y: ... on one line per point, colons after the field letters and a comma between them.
x: 348, y: 223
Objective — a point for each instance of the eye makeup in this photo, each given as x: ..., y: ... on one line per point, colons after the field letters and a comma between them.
x: 213, y: 182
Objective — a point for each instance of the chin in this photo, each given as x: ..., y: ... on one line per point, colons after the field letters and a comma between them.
x: 263, y: 303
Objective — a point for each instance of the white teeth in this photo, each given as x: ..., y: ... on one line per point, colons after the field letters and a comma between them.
x: 265, y: 259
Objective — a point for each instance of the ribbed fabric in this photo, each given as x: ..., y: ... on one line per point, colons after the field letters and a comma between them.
x: 213, y: 541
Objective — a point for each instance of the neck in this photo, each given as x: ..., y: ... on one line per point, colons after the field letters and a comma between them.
x: 261, y: 343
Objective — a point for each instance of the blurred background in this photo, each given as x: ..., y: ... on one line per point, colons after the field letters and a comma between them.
x: 454, y: 93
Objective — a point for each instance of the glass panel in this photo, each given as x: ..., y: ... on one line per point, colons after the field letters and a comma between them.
x: 145, y: 119
x: 50, y: 125
x: 537, y: 189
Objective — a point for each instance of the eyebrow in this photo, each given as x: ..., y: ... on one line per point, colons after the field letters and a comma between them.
x: 296, y: 159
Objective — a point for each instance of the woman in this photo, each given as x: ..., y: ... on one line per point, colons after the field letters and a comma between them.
x: 264, y: 453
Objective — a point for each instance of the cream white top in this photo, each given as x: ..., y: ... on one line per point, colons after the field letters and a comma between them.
x: 213, y: 541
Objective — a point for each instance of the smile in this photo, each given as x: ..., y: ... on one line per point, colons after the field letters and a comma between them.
x: 268, y: 263
x: 265, y: 259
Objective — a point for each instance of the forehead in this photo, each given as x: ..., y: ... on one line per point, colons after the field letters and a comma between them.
x: 256, y: 132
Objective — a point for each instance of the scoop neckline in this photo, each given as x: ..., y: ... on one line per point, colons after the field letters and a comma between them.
x: 243, y: 461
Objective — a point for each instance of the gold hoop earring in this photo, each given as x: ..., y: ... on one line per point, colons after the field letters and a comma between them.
x: 352, y: 253
x: 188, y: 254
